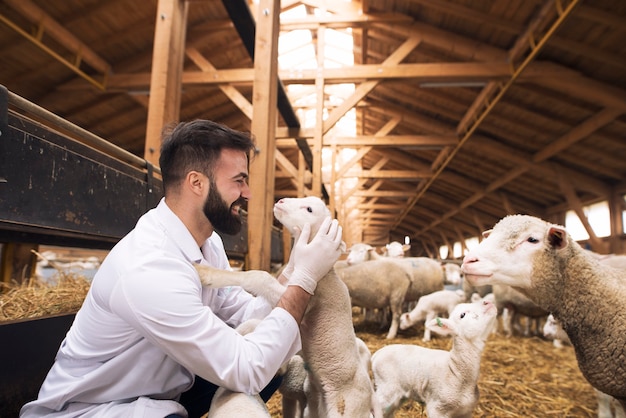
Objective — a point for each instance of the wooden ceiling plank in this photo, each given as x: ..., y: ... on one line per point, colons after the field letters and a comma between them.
x: 417, y: 141
x: 544, y: 19
x: 56, y: 31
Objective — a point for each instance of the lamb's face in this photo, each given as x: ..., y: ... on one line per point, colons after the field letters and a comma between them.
x: 395, y: 249
x: 507, y: 254
x: 359, y: 253
x: 296, y: 212
x: 471, y: 321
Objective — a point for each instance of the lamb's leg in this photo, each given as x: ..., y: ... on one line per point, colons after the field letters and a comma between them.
x: 257, y: 282
x: 430, y: 315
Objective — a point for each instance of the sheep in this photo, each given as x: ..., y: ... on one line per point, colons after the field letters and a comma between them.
x: 328, y: 339
x: 427, y: 275
x: 396, y: 249
x: 429, y: 306
x: 587, y: 297
x: 452, y: 274
x: 553, y: 330
x: 446, y: 381
x: 295, y: 387
x: 378, y: 284
x: 511, y: 304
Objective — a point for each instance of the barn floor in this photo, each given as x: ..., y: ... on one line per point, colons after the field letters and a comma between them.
x: 520, y: 377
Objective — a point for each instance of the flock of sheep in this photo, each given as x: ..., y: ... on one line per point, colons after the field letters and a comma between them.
x: 524, y: 266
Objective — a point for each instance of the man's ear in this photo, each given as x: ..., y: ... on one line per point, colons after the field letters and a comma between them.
x: 196, y: 182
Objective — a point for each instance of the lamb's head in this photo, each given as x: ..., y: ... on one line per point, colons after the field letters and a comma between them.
x: 296, y: 212
x: 359, y: 253
x: 470, y: 321
x: 396, y: 250
x: 511, y: 249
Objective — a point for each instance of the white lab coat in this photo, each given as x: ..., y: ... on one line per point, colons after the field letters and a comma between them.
x: 147, y: 327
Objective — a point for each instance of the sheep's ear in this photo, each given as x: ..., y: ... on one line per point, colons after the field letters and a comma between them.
x: 487, y: 233
x: 557, y: 237
x: 343, y: 247
x: 406, y: 247
x: 442, y: 326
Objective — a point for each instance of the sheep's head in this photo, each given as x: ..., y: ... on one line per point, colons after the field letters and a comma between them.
x: 396, y: 249
x: 359, y: 252
x: 509, y: 251
x: 295, y: 212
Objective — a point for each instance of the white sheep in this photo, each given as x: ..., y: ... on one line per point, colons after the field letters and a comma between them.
x: 429, y: 306
x: 328, y: 339
x: 378, y: 284
x: 427, y: 275
x: 446, y: 381
x: 452, y: 273
x: 295, y: 387
x: 587, y: 297
x: 396, y: 249
x: 554, y: 331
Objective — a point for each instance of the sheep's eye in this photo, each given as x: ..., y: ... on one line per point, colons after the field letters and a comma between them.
x: 462, y: 315
x: 532, y: 240
x: 309, y: 209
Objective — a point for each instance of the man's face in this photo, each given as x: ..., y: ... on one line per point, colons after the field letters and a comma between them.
x: 228, y: 193
x: 224, y: 217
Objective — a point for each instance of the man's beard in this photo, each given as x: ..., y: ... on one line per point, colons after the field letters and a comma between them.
x: 220, y: 214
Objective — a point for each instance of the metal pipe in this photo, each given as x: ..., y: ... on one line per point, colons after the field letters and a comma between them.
x: 88, y: 138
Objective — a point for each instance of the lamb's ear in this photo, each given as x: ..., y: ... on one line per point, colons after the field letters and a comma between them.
x: 487, y: 233
x: 442, y: 326
x: 557, y: 237
x: 343, y: 247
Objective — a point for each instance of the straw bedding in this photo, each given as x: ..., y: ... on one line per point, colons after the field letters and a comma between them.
x: 520, y: 376
x: 64, y: 294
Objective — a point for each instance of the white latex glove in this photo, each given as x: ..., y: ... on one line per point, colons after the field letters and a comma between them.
x: 310, y: 261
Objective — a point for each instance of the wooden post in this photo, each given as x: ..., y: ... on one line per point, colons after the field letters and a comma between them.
x: 166, y: 77
x: 264, y: 111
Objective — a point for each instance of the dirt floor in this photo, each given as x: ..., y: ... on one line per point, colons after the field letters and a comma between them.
x: 520, y: 377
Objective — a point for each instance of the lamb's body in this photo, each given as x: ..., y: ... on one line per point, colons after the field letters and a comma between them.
x: 588, y: 298
x: 446, y: 381
x: 329, y: 348
x: 429, y: 306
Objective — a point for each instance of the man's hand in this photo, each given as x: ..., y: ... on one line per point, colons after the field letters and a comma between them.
x: 310, y: 261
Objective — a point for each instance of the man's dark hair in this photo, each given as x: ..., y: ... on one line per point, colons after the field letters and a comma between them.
x: 197, y: 145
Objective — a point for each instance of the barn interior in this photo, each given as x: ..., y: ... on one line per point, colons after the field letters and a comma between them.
x: 418, y: 121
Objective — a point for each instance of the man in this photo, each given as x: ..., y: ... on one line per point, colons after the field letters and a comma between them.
x: 149, y: 340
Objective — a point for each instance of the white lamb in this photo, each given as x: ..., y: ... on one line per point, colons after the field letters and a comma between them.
x: 429, y: 306
x: 446, y: 381
x: 587, y: 297
x: 554, y: 331
x: 328, y: 340
x: 295, y: 387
